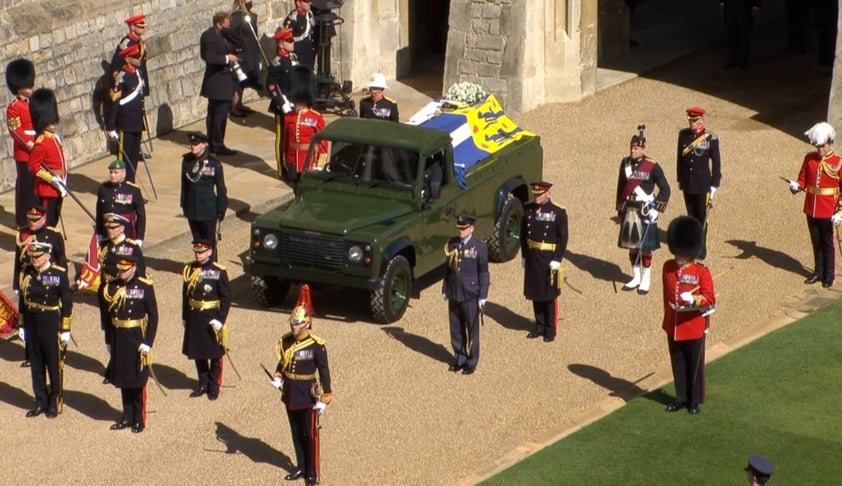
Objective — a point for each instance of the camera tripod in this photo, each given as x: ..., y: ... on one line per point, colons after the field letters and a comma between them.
x: 331, y: 96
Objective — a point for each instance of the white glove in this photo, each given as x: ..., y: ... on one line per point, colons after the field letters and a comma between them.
x: 21, y: 334
x: 836, y: 219
x: 320, y: 407
x: 554, y: 265
x: 793, y: 187
x: 65, y: 338
x: 112, y: 134
x: 277, y: 382
x: 60, y: 186
x: 139, y: 243
x: 712, y: 192
x: 688, y: 298
x: 482, y: 303
x: 523, y: 262
x: 215, y: 324
x: 443, y: 296
x: 287, y: 106
x: 653, y: 215
x: 144, y: 349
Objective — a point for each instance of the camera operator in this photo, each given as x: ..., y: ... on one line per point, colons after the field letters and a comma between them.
x: 303, y: 25
x: 217, y: 48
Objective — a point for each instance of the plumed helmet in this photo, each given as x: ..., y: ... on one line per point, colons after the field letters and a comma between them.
x: 43, y: 109
x: 302, y: 86
x: 821, y: 133
x: 685, y: 237
x: 303, y: 311
x: 20, y: 74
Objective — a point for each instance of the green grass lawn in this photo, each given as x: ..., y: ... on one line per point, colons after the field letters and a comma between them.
x: 780, y: 396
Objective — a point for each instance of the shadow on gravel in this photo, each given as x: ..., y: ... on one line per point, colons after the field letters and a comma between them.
x: 507, y: 318
x: 599, y: 269
x: 254, y: 449
x: 420, y: 344
x: 15, y: 396
x: 173, y: 379
x: 90, y: 406
x: 11, y: 352
x: 79, y: 361
x: 617, y: 386
x: 773, y: 258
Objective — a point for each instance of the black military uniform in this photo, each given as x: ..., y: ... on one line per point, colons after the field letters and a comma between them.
x: 278, y: 81
x: 123, y: 198
x: 301, y: 356
x: 204, y: 198
x: 132, y: 39
x: 698, y: 168
x: 303, y: 35
x: 465, y: 288
x: 110, y: 252
x: 126, y: 112
x: 44, y: 234
x: 384, y: 109
x: 205, y: 304
x: 46, y: 306
x: 134, y: 321
x: 543, y: 240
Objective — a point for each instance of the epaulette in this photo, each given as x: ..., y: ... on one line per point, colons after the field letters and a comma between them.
x: 146, y: 280
x: 132, y: 184
x: 58, y: 267
x: 317, y: 339
x: 130, y: 241
x: 221, y: 267
x: 40, y: 138
x: 188, y: 154
x: 289, y: 334
x: 53, y: 229
x: 712, y: 135
x: 390, y: 100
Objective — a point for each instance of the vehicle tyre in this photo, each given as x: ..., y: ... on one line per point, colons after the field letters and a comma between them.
x: 351, y: 113
x: 391, y: 297
x: 505, y: 240
x: 269, y: 291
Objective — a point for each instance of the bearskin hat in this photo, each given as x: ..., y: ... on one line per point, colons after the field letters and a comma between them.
x: 43, y: 109
x: 302, y: 86
x: 20, y: 73
x: 685, y: 237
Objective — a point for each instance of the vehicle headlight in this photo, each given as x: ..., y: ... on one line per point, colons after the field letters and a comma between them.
x: 355, y: 254
x: 270, y: 241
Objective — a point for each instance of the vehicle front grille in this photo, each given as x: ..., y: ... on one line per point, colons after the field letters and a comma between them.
x: 303, y: 248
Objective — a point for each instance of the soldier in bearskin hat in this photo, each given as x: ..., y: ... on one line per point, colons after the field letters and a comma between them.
x: 689, y: 299
x: 301, y: 126
x: 638, y: 207
x: 47, y: 160
x: 20, y: 78
x: 301, y: 355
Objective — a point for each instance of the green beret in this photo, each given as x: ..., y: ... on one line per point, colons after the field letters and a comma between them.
x: 117, y: 164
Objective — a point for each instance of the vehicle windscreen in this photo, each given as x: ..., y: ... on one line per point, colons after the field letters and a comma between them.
x: 370, y: 164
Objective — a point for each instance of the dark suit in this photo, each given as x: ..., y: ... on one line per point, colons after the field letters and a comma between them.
x: 739, y: 20
x: 465, y: 284
x: 217, y: 84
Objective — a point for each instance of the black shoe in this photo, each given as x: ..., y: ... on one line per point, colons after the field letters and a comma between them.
x: 311, y: 481
x: 694, y: 409
x: 548, y: 339
x: 675, y: 406
x: 106, y: 381
x: 468, y: 371
x: 812, y: 279
x: 122, y: 424
x: 52, y: 411
x: 827, y: 284
x: 642, y: 292
x: 533, y: 335
x: 25, y: 364
x: 138, y: 427
x: 225, y: 151
x: 213, y: 395
x: 627, y: 288
x: 36, y: 411
x: 238, y: 114
x: 297, y: 474
x: 197, y: 393
x: 454, y: 367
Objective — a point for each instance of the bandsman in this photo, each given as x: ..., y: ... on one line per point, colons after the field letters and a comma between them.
x: 638, y: 208
x: 204, y: 197
x: 134, y: 320
x: 698, y: 168
x: 121, y: 197
x: 137, y: 28
x: 204, y: 311
x: 543, y: 243
x: 125, y: 116
x: 302, y: 355
x: 278, y: 81
x: 300, y: 126
x: 46, y: 308
x: 465, y: 288
x: 377, y: 105
x: 46, y: 161
x: 303, y: 25
x: 20, y: 78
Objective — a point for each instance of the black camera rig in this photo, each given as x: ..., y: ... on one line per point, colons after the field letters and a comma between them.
x: 331, y: 96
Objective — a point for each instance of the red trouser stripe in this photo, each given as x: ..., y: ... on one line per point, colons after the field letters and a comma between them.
x: 143, y: 404
x: 315, y: 434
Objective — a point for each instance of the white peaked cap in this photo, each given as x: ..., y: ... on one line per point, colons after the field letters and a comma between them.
x: 821, y: 133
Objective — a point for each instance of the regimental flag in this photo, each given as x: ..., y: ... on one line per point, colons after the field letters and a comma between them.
x: 8, y: 317
x: 89, y: 278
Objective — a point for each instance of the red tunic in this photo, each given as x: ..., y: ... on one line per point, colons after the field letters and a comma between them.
x: 299, y: 129
x: 819, y: 179
x: 20, y: 128
x: 686, y: 325
x: 49, y: 152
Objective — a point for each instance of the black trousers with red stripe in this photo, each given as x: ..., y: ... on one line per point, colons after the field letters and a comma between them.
x: 210, y: 374
x: 305, y: 440
x: 688, y: 369
x: 134, y: 405
x: 546, y: 317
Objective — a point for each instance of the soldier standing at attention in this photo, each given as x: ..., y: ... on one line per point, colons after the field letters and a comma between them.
x: 134, y: 321
x: 125, y: 117
x: 377, y: 105
x: 204, y: 310
x: 118, y: 196
x: 698, y: 168
x: 543, y: 242
x: 46, y: 307
x: 137, y: 27
x: 303, y: 26
x: 301, y: 126
x: 638, y: 208
x: 301, y: 355
x: 20, y: 78
x: 465, y: 288
x: 46, y: 161
x: 819, y: 179
x: 217, y: 51
x: 278, y: 81
x: 204, y: 198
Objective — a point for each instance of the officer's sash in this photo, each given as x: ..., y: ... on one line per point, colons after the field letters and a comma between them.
x: 694, y: 144
x: 632, y: 184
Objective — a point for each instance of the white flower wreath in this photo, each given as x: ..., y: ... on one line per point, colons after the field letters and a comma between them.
x: 465, y: 93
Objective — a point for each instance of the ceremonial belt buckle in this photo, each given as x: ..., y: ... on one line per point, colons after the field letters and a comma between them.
x: 823, y: 191
x: 297, y: 377
x: 42, y: 307
x: 203, y: 304
x: 540, y: 245
x: 127, y: 323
